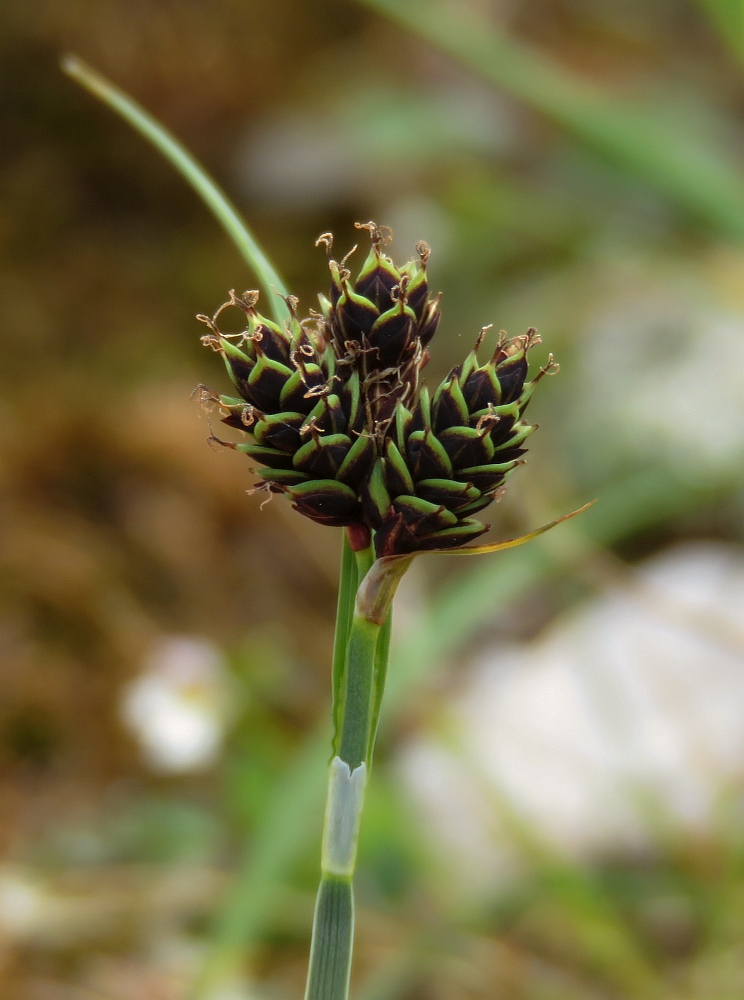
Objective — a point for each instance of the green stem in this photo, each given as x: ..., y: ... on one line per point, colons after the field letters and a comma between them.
x: 192, y: 172
x: 333, y: 935
x: 357, y: 701
x: 347, y: 587
x: 356, y: 721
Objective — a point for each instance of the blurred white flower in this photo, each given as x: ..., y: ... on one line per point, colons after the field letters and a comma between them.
x: 179, y: 707
x: 628, y: 715
x: 23, y: 903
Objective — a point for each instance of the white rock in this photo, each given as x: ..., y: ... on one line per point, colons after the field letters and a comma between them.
x: 629, y: 714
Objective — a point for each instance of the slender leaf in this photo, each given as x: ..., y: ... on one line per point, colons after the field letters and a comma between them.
x: 191, y: 171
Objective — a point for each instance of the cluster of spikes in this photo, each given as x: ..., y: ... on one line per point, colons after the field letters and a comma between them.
x: 340, y: 421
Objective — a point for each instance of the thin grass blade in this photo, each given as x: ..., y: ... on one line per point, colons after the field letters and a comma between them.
x: 192, y: 172
x: 509, y: 543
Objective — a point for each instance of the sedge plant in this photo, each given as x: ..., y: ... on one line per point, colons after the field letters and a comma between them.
x: 338, y: 418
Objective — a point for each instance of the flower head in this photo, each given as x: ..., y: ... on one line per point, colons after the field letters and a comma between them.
x: 341, y: 422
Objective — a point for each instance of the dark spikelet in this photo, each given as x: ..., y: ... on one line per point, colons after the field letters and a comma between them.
x: 338, y: 417
x: 326, y: 501
x: 280, y: 431
x: 459, y: 451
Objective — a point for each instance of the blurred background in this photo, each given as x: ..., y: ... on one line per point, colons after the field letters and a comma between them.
x: 558, y: 803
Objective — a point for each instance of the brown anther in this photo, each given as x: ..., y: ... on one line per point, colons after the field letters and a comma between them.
x: 245, y: 302
x: 317, y: 392
x: 424, y: 251
x: 353, y: 349
x: 317, y: 331
x: 208, y: 322
x: 235, y: 301
x: 399, y: 292
x: 481, y: 337
x: 550, y: 368
x: 250, y: 297
x: 530, y: 339
x: 488, y: 421
x: 503, y: 345
x: 372, y: 229
x: 261, y: 488
x: 297, y: 362
x: 269, y: 497
x: 376, y: 378
x: 212, y: 340
x: 380, y: 235
x: 206, y: 397
x: 248, y: 416
x: 312, y: 429
x: 343, y: 271
x: 292, y: 303
x: 214, y: 441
